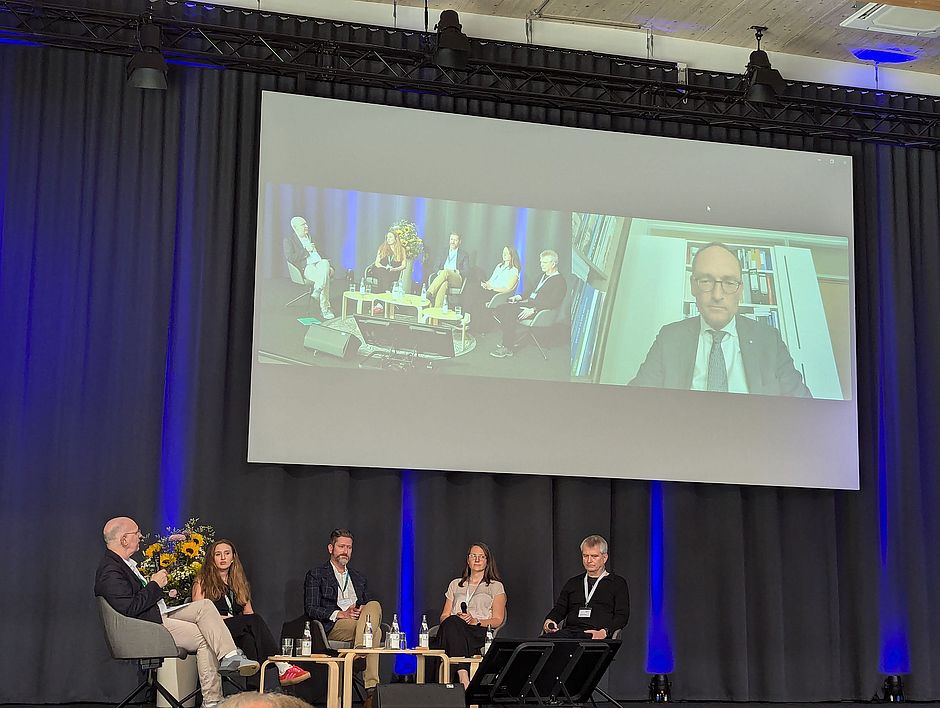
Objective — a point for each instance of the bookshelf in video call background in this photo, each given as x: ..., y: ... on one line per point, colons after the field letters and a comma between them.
x: 597, y: 244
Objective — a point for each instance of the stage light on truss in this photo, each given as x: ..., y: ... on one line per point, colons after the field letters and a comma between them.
x: 147, y: 68
x: 763, y: 83
x: 453, y: 46
x: 660, y: 689
x: 892, y: 690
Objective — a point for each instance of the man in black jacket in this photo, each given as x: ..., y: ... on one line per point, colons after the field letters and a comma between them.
x: 548, y: 294
x: 196, y: 627
x: 339, y: 597
x: 593, y: 605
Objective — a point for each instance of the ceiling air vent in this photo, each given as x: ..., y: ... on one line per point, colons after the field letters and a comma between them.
x: 878, y: 17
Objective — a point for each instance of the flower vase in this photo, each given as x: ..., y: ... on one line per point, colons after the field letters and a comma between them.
x: 407, y: 285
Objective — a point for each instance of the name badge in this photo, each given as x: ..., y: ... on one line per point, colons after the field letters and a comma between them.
x: 345, y: 604
x: 584, y: 612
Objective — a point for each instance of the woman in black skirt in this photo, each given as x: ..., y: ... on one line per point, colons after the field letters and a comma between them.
x: 475, y: 602
x: 222, y: 579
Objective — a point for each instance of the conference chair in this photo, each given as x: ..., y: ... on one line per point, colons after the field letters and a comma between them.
x: 546, y: 319
x: 297, y: 277
x: 147, y: 643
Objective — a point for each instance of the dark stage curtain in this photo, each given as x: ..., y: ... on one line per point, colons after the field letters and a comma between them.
x: 126, y: 279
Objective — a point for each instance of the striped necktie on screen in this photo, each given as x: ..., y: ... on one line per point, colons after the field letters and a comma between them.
x: 717, y: 370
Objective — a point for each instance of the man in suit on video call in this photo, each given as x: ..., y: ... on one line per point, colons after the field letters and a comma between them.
x: 720, y: 350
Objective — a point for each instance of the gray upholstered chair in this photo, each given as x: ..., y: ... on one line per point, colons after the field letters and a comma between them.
x: 147, y: 643
x: 545, y: 319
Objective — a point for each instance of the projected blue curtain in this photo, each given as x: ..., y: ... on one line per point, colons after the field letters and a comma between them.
x: 126, y: 272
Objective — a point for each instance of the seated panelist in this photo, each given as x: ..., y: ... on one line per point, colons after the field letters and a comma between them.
x: 222, y: 580
x: 505, y: 277
x: 453, y: 267
x: 474, y: 602
x: 302, y: 252
x: 594, y: 605
x: 339, y: 597
x: 196, y: 627
x: 390, y: 261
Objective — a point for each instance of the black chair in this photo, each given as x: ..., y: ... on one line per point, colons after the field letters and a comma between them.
x: 147, y: 643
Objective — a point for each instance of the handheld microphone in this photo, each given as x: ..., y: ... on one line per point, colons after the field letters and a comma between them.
x: 463, y: 607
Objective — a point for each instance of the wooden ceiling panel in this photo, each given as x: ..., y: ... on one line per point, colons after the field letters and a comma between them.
x: 803, y: 27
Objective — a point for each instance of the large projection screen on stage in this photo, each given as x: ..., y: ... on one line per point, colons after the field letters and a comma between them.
x: 687, y: 307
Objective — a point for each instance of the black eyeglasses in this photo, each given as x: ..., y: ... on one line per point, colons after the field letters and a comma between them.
x: 728, y: 287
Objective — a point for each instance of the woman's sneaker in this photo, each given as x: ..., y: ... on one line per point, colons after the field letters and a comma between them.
x: 293, y: 675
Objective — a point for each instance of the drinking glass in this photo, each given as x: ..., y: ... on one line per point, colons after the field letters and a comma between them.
x: 287, y: 647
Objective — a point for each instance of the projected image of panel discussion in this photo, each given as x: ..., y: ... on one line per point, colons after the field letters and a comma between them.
x: 664, y: 304
x: 356, y: 279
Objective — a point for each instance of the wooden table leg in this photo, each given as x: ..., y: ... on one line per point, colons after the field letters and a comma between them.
x: 333, y: 685
x: 419, y: 670
x: 348, y: 679
x: 261, y: 678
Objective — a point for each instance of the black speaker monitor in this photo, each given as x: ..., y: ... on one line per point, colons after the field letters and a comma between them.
x: 331, y: 341
x: 409, y: 695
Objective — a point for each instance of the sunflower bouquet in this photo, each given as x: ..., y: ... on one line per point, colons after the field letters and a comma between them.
x: 407, y: 232
x: 181, y: 552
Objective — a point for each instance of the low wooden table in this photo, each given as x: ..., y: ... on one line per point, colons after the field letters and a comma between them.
x: 333, y: 664
x: 436, y: 316
x: 350, y: 655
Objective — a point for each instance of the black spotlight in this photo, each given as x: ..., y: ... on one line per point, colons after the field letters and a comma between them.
x: 892, y: 689
x: 660, y: 689
x: 147, y: 68
x: 453, y: 46
x: 764, y: 83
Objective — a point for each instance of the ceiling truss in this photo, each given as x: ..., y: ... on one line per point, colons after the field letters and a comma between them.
x: 632, y: 88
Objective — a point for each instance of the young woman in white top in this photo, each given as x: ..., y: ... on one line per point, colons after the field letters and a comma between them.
x: 473, y: 603
x: 505, y: 276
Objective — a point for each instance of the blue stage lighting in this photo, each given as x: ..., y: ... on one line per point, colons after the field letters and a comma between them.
x: 883, y: 56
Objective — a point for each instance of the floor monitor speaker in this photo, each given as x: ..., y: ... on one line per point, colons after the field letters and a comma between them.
x: 410, y: 695
x: 331, y: 341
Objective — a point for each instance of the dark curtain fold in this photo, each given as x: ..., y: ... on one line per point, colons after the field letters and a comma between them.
x: 127, y: 222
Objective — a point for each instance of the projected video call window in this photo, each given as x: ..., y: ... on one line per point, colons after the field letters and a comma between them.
x: 652, y: 297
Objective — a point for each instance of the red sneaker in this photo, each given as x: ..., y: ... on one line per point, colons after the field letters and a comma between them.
x: 293, y: 675
x: 377, y: 309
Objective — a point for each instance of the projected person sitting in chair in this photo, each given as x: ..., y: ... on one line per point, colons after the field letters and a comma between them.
x: 720, y: 350
x: 302, y: 253
x: 451, y: 270
x: 547, y: 295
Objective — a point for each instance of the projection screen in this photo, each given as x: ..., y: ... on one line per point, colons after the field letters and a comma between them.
x: 446, y: 292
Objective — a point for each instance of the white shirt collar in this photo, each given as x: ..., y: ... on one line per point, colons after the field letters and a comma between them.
x: 731, y: 328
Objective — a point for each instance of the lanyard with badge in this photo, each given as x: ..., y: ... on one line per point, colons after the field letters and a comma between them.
x: 344, y: 603
x: 585, y: 612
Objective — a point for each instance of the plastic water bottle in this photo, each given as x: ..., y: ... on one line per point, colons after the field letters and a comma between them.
x: 362, y: 286
x: 424, y: 639
x: 367, y: 635
x: 394, y: 634
x: 424, y: 291
x: 444, y: 308
x: 306, y: 644
x: 489, y: 640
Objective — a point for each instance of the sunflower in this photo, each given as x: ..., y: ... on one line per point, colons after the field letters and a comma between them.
x: 189, y: 548
x: 197, y: 538
x: 152, y: 548
x: 167, y: 559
